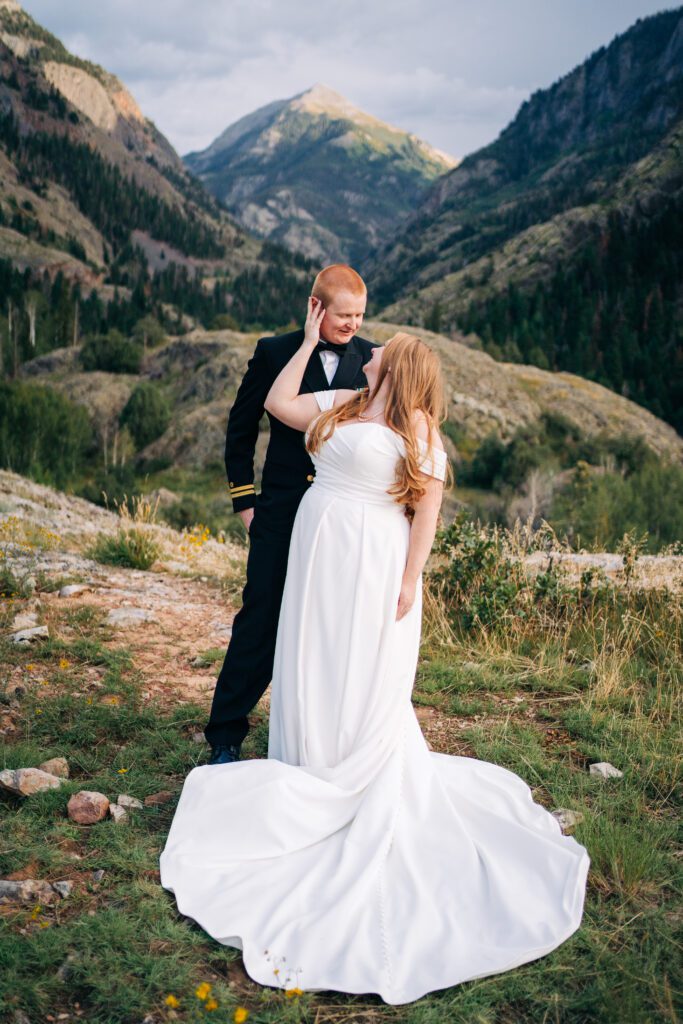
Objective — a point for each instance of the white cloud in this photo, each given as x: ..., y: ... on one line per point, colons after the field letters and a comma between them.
x: 453, y: 72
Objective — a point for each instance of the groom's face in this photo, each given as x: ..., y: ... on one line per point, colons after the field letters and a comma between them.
x: 343, y: 317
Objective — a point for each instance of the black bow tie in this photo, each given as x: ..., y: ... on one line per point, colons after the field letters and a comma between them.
x: 330, y: 346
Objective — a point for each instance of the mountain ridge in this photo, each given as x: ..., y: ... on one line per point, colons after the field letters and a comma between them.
x: 553, y: 243
x: 101, y: 224
x: 317, y: 174
x: 589, y: 104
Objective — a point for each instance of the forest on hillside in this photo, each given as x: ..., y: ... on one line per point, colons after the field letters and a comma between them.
x: 611, y: 314
x: 40, y: 313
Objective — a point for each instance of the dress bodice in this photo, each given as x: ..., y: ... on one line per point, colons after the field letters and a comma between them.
x: 359, y: 460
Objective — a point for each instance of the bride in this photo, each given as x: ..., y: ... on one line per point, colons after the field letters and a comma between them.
x: 353, y: 858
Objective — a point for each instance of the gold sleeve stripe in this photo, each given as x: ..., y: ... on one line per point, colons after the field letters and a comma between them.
x: 238, y: 492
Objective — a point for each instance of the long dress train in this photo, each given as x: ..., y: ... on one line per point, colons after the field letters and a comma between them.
x: 353, y: 858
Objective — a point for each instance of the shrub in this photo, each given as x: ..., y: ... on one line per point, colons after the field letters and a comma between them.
x: 20, y: 542
x: 114, y: 482
x: 146, y: 414
x: 553, y: 442
x: 482, y: 581
x: 486, y: 467
x: 479, y: 584
x: 224, y: 322
x: 111, y: 352
x: 148, y: 332
x: 132, y: 547
x: 42, y: 434
x: 599, y: 509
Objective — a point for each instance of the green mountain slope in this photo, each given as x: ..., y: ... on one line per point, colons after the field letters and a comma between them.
x: 100, y: 222
x: 318, y: 175
x: 560, y: 243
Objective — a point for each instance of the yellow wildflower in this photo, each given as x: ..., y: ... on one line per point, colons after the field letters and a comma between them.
x: 171, y: 1001
x: 39, y: 711
x: 211, y: 1004
x: 121, y: 771
x: 291, y: 992
x: 31, y: 667
x: 63, y: 663
x: 240, y: 1015
x: 202, y: 991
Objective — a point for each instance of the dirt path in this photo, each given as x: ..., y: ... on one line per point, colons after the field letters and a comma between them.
x: 188, y: 618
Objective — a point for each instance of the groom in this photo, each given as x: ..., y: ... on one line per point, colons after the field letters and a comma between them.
x: 287, y: 473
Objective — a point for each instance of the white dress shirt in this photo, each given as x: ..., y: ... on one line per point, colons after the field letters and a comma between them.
x: 330, y: 361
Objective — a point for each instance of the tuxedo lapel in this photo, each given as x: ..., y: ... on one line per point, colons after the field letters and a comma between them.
x: 348, y: 367
x: 345, y: 375
x: 314, y: 375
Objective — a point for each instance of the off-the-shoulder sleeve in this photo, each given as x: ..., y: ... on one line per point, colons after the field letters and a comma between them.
x: 434, y: 465
x: 325, y: 399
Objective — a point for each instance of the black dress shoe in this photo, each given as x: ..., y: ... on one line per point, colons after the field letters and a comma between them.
x: 224, y: 753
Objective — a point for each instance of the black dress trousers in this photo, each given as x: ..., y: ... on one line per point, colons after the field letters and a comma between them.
x: 251, y: 651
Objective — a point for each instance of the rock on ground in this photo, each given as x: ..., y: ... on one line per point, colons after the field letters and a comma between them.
x: 123, y: 618
x: 29, y: 890
x: 158, y: 799
x: 605, y: 770
x: 123, y: 800
x: 72, y: 589
x: 27, y: 636
x: 27, y: 781
x: 87, y: 806
x: 567, y: 818
x: 56, y: 766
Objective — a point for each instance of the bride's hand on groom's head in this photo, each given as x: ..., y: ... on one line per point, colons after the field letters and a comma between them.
x: 314, y: 318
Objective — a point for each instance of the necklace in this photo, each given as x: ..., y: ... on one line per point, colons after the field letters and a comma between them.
x: 376, y: 416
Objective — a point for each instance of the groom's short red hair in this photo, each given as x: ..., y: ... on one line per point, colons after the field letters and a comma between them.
x: 338, y: 277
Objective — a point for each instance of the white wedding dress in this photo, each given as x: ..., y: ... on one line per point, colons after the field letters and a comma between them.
x: 353, y: 858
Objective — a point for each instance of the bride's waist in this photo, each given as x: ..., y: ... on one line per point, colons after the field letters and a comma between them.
x: 350, y: 490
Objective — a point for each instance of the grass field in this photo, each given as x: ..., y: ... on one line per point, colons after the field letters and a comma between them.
x: 554, y: 679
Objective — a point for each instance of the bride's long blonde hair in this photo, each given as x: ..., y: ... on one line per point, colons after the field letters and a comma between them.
x: 415, y: 383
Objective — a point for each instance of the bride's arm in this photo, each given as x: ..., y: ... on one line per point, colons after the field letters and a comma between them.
x: 283, y: 400
x: 422, y: 530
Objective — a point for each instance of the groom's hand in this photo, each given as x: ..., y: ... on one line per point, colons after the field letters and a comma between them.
x: 246, y: 515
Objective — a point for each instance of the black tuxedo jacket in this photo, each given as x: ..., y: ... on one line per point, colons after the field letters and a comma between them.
x: 288, y: 470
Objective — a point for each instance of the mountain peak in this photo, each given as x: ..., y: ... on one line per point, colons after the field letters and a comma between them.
x: 286, y: 170
x: 320, y: 99
x: 11, y: 5
x: 323, y: 92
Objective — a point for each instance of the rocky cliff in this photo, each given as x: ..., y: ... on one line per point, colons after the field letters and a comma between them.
x: 64, y: 108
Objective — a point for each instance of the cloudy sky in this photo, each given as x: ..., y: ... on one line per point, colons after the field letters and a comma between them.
x: 452, y: 71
